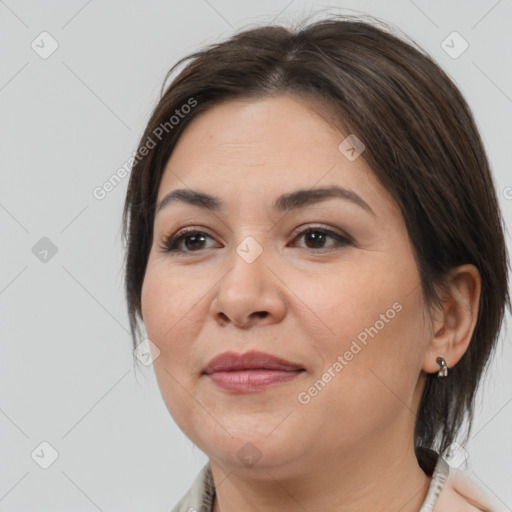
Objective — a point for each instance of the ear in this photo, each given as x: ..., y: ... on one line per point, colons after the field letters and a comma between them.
x: 454, y: 323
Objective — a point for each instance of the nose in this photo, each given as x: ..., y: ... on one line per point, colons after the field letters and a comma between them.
x: 249, y: 294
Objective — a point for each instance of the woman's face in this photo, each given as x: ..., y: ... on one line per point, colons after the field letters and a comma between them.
x: 346, y: 310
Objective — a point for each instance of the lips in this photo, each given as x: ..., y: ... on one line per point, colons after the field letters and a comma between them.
x: 231, y: 361
x: 251, y: 372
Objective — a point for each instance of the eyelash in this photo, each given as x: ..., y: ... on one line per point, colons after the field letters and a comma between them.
x: 170, y: 243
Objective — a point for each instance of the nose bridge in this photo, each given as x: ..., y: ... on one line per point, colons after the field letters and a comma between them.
x: 248, y: 290
x: 248, y: 266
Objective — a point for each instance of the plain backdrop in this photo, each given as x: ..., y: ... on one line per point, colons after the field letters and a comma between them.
x: 68, y: 121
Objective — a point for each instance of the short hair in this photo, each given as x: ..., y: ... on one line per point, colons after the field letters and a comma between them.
x: 421, y: 142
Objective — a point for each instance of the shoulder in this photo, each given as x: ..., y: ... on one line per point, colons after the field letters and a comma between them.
x: 461, y: 493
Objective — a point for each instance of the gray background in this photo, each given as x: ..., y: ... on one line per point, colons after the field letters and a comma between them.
x: 68, y: 122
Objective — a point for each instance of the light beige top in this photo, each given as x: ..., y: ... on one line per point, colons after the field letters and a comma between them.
x: 450, y: 490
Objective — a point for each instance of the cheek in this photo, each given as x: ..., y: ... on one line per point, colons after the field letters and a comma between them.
x: 373, y: 323
x: 373, y: 383
x: 387, y: 368
x: 167, y: 304
x: 346, y: 303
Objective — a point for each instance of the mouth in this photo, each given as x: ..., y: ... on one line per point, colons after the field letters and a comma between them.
x: 249, y: 372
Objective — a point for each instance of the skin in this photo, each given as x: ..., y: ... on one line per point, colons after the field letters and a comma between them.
x: 352, y: 446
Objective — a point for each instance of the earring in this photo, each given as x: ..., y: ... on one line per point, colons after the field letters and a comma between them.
x: 443, y: 372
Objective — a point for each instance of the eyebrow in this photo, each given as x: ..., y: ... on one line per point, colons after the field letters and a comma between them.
x: 284, y: 203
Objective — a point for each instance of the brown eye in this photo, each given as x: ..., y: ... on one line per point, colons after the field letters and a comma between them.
x: 188, y: 240
x: 315, y: 238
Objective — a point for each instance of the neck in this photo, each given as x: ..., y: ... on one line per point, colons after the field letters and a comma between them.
x: 367, y: 478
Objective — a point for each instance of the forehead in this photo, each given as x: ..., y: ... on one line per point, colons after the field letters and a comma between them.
x: 255, y: 150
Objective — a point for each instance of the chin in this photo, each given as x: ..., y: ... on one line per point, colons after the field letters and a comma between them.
x: 252, y: 452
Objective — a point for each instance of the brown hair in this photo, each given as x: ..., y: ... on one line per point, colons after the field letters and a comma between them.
x: 421, y: 142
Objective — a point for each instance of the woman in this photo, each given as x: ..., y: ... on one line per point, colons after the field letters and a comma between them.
x: 315, y: 248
